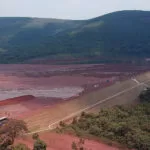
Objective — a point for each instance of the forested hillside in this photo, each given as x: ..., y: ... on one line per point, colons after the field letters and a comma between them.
x: 123, y: 35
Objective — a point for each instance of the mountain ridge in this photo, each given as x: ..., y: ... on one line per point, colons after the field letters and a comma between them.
x: 124, y: 34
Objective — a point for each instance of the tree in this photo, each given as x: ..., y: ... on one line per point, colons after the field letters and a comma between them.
x: 35, y: 136
x: 38, y: 144
x: 62, y: 124
x: 74, y: 121
x: 145, y: 95
x: 83, y: 114
x: 9, y: 131
x: 79, y: 145
x: 74, y: 146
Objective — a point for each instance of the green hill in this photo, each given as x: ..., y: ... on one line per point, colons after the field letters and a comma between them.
x: 118, y: 36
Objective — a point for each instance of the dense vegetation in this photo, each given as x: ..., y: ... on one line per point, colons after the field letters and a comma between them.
x: 128, y: 125
x: 125, y: 34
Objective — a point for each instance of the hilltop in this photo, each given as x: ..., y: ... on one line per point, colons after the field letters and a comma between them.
x: 116, y: 37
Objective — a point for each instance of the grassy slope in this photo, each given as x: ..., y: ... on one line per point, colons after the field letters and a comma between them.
x: 122, y: 34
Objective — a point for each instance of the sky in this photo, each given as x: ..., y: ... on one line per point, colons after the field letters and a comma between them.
x: 68, y: 9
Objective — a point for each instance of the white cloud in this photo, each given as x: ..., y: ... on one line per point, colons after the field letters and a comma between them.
x: 74, y: 2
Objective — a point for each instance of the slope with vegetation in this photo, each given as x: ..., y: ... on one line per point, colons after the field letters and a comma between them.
x: 124, y: 34
x: 128, y: 125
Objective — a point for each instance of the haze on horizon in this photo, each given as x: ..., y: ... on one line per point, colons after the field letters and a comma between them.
x: 68, y: 9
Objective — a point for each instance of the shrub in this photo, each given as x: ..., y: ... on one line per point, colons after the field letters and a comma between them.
x: 62, y: 124
x: 35, y: 136
x: 39, y: 145
x: 21, y: 147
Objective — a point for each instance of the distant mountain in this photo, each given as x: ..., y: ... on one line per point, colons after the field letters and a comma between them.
x: 118, y: 36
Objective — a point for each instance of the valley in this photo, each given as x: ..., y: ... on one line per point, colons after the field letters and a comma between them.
x: 44, y: 94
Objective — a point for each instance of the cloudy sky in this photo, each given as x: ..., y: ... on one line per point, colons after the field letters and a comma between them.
x: 68, y: 9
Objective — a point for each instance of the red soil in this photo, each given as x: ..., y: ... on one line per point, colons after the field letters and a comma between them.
x: 28, y: 105
x: 63, y: 142
x: 16, y: 100
x: 24, y: 105
x: 43, y: 77
x: 48, y: 76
